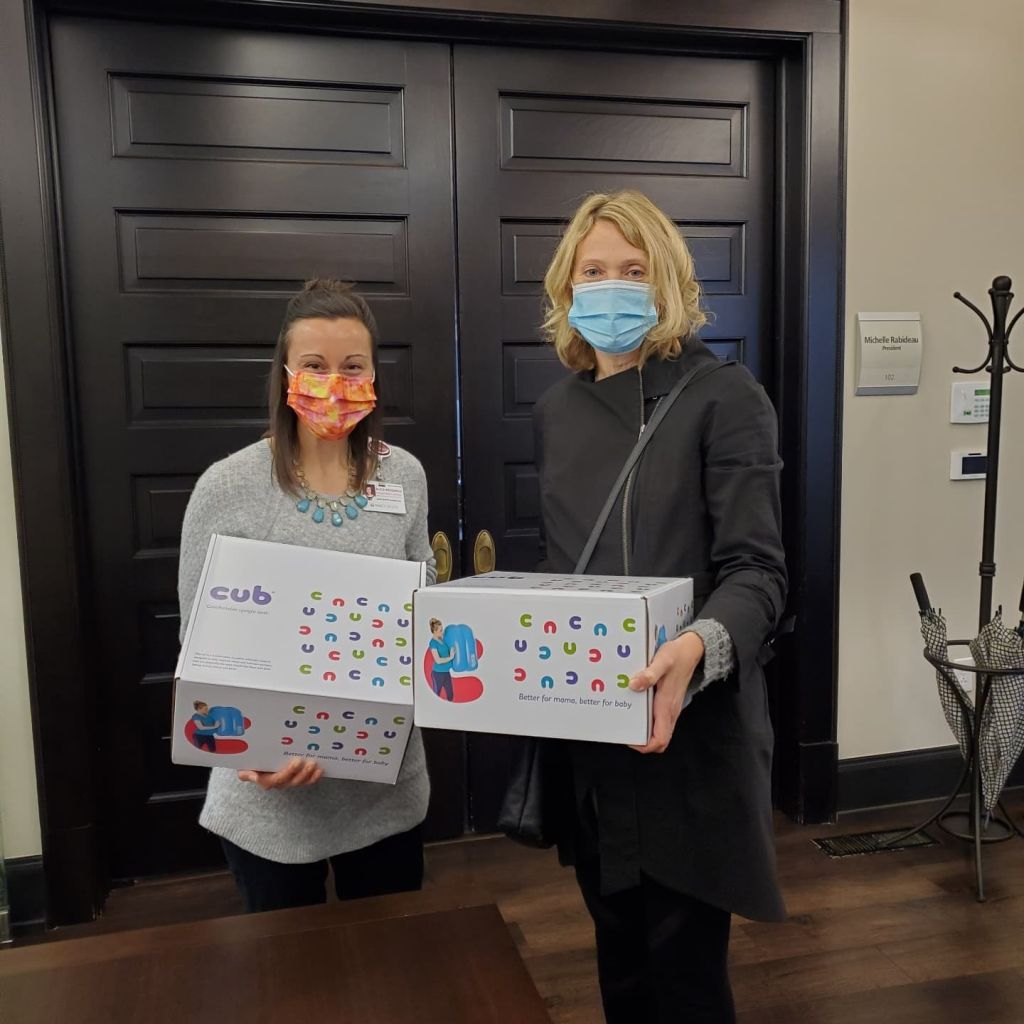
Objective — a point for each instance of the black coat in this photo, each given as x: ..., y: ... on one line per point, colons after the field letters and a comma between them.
x: 704, y: 503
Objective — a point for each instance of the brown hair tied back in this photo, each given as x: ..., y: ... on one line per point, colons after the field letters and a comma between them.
x: 324, y: 299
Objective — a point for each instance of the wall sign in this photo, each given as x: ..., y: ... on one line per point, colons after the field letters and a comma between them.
x: 888, y: 353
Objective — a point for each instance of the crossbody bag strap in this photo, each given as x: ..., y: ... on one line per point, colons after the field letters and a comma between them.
x: 659, y: 414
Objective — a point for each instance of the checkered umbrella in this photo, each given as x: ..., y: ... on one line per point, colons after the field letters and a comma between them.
x: 1002, y: 727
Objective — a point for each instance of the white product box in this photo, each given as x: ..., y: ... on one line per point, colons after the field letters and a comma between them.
x: 297, y: 652
x: 539, y: 655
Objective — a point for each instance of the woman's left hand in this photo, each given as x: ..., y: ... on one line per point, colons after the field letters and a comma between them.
x: 297, y: 772
x: 670, y: 673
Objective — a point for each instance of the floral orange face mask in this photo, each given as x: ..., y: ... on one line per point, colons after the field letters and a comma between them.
x: 330, y: 404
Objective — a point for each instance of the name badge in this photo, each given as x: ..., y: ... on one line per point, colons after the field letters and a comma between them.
x: 385, y: 497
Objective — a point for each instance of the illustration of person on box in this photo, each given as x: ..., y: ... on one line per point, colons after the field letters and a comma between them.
x: 672, y: 838
x: 451, y: 660
x: 204, y: 735
x: 309, y: 482
x: 214, y: 729
x: 441, y: 675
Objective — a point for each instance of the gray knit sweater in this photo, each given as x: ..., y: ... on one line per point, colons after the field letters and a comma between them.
x: 239, y: 497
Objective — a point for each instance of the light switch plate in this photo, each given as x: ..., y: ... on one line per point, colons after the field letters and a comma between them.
x: 966, y: 679
x: 968, y: 465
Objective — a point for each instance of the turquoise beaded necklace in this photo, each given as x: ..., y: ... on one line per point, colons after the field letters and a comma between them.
x: 347, y: 505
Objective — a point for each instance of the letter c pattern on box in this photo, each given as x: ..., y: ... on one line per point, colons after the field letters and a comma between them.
x: 543, y: 668
x: 321, y: 658
x: 369, y: 733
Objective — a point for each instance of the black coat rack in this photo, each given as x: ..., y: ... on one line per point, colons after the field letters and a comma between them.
x: 998, y: 364
x: 970, y: 826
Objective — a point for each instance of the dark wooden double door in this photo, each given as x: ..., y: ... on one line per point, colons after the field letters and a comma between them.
x: 206, y: 172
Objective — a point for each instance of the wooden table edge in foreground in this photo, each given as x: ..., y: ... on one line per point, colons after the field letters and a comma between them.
x: 59, y: 953
x: 442, y: 954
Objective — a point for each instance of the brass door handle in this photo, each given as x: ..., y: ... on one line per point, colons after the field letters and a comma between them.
x: 442, y: 556
x: 484, y: 554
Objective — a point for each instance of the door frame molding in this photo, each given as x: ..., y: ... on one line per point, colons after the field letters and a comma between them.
x: 805, y: 39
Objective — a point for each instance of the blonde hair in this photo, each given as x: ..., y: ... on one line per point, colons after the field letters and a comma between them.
x: 677, y: 293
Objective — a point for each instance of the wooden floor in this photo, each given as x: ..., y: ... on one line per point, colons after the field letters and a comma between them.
x: 894, y: 937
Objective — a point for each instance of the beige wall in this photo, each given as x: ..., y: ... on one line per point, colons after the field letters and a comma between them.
x: 18, y: 807
x: 935, y: 204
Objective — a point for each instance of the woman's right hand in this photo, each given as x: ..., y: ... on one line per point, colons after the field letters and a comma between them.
x: 298, y: 772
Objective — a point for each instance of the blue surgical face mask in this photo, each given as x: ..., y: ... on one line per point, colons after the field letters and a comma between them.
x: 613, y: 316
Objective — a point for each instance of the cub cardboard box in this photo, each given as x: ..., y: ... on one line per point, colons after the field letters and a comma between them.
x: 530, y: 654
x: 297, y: 652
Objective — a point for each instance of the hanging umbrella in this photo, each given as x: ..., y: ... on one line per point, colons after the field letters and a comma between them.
x: 1002, y: 725
x: 956, y: 705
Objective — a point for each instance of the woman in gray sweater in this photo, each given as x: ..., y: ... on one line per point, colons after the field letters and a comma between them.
x: 305, y: 484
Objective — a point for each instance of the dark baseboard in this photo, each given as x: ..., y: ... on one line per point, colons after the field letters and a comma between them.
x: 903, y: 778
x: 818, y: 777
x: 804, y: 782
x: 26, y: 890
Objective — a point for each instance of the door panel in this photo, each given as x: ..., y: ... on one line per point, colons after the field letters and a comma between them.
x: 536, y: 131
x: 205, y: 174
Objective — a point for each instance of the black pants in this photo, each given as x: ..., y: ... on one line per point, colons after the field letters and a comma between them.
x: 443, y: 685
x: 661, y: 956
x: 394, y: 864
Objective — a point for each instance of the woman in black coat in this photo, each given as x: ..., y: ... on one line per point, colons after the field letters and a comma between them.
x: 672, y: 838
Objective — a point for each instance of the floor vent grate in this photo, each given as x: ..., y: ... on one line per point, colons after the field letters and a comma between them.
x: 872, y: 842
